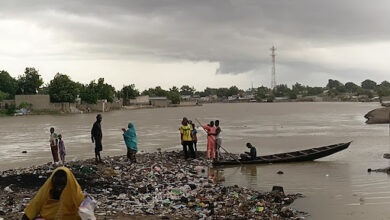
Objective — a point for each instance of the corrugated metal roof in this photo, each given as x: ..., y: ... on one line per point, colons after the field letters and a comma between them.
x: 157, y: 98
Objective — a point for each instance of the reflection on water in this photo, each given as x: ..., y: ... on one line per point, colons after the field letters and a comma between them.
x: 336, y: 187
x: 327, y: 185
x: 215, y: 175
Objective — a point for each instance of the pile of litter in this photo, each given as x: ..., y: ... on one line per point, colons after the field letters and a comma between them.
x: 160, y: 184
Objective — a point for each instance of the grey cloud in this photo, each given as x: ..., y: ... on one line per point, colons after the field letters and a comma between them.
x: 236, y: 34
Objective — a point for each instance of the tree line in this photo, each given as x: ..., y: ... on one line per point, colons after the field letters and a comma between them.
x: 333, y: 88
x: 63, y: 89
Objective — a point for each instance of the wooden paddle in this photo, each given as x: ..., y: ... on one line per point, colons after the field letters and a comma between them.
x: 220, y: 145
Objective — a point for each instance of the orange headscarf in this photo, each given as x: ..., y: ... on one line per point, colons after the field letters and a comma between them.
x: 50, y: 209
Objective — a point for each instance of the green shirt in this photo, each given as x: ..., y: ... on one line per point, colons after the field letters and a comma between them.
x: 252, y: 153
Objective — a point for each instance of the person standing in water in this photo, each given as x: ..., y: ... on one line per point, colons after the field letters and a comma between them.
x: 97, y: 136
x: 54, y: 145
x: 186, y: 138
x: 131, y: 142
x: 194, y: 137
x: 218, y: 140
x: 210, y: 129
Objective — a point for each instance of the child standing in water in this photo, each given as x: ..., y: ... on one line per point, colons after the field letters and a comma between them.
x: 194, y: 136
x: 61, y: 147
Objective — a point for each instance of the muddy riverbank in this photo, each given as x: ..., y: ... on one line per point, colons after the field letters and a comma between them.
x: 159, y: 186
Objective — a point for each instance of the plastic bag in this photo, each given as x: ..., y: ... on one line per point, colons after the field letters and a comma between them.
x: 87, y: 208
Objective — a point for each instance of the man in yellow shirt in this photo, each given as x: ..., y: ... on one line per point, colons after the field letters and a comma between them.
x: 186, y: 138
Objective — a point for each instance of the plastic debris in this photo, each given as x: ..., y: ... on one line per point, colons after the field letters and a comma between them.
x: 161, y: 184
x: 8, y: 189
x: 259, y: 209
x: 87, y: 208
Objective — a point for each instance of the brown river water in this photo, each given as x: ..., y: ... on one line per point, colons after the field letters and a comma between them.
x: 335, y: 187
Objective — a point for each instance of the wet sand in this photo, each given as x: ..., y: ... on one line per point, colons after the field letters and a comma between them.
x: 337, y: 187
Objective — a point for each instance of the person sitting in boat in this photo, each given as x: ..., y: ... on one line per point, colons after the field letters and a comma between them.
x: 251, y: 155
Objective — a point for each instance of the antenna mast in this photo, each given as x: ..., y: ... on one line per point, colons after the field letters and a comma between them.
x: 273, y: 77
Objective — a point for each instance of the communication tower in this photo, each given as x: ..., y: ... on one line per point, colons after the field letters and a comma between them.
x: 273, y: 77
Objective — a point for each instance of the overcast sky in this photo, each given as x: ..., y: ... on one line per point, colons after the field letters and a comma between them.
x: 215, y: 43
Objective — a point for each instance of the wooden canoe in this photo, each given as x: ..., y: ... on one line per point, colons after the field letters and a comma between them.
x: 295, y: 156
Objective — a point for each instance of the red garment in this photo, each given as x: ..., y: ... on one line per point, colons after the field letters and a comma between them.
x: 210, y: 141
x: 54, y: 152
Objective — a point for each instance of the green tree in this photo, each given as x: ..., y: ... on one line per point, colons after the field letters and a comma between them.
x: 282, y: 90
x: 88, y: 93
x: 298, y: 89
x: 44, y: 90
x: 128, y: 92
x: 63, y: 89
x: 8, y: 84
x: 105, y: 91
x: 187, y: 90
x: 209, y: 91
x: 146, y: 92
x: 333, y: 84
x: 262, y: 93
x: 11, y: 109
x: 312, y: 91
x: 233, y: 90
x: 366, y: 92
x: 271, y: 98
x: 155, y: 92
x: 383, y: 89
x: 333, y: 92
x: 351, y: 87
x: 222, y: 92
x: 174, y: 95
x: 369, y: 84
x: 385, y: 84
x: 341, y: 89
x: 30, y: 82
x: 3, y: 95
x: 292, y: 95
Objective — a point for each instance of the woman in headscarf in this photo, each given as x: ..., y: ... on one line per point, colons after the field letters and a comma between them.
x: 59, y: 198
x: 130, y: 138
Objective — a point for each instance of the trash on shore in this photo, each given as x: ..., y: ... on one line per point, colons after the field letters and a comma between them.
x: 160, y: 184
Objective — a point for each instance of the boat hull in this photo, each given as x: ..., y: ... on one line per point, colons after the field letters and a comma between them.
x: 295, y: 156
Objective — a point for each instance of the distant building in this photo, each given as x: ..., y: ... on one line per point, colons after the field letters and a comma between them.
x: 310, y: 99
x: 282, y: 99
x: 205, y: 99
x: 42, y: 102
x: 186, y: 97
x: 140, y: 100
x: 159, y: 101
x: 233, y: 98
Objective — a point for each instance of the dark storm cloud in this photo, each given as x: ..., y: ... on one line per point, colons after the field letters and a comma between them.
x: 236, y: 34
